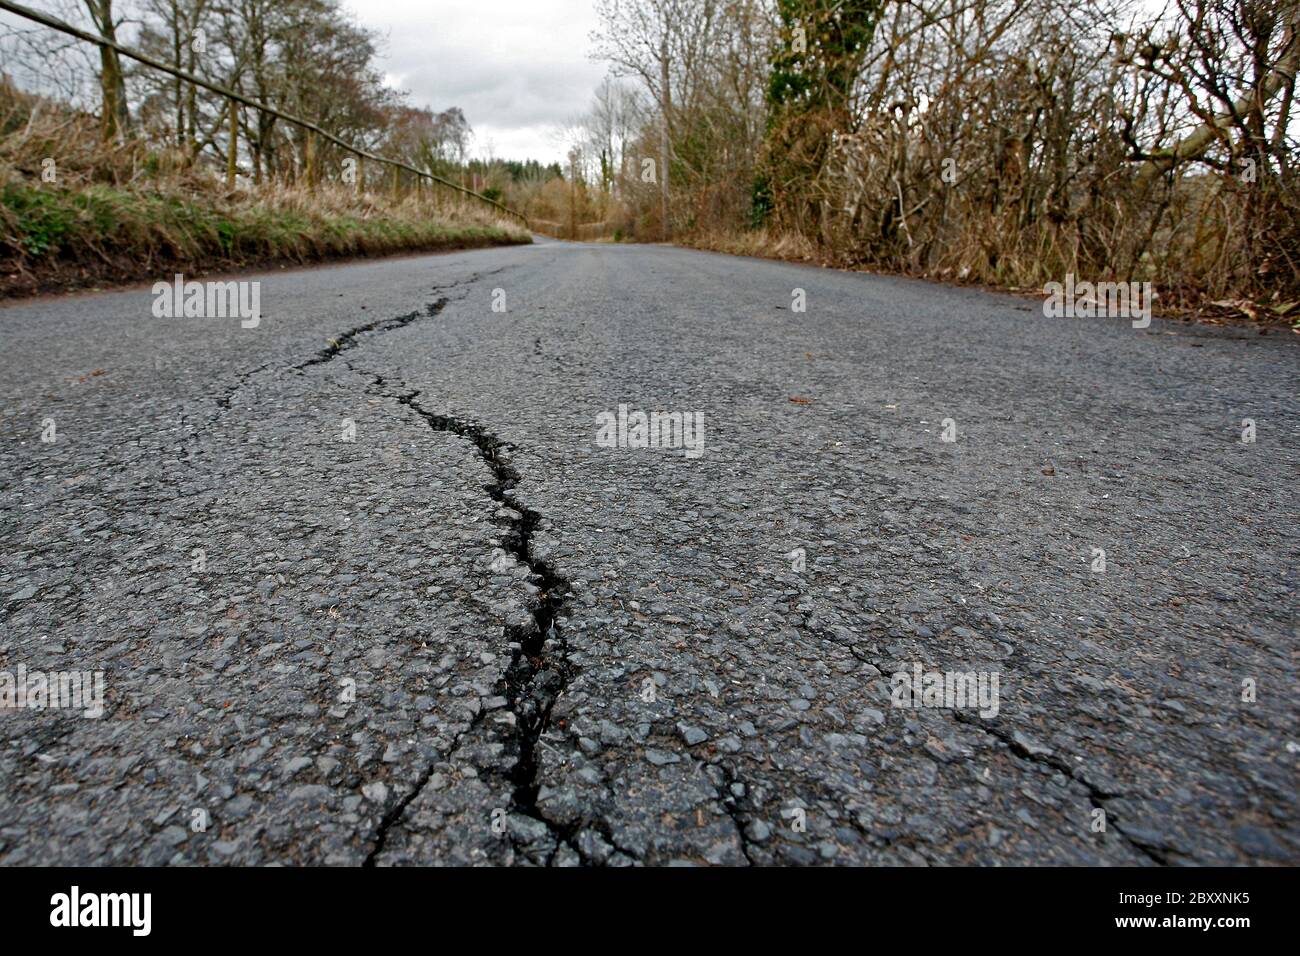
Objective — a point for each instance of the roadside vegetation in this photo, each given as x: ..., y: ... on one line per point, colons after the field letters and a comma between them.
x: 118, y: 174
x: 1000, y: 142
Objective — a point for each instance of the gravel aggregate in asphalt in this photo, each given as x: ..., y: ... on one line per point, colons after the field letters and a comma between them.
x: 472, y: 634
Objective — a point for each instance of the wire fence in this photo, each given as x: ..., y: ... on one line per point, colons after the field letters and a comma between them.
x: 235, y: 99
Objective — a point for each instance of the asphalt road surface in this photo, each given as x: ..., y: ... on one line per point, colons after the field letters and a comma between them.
x: 473, y: 633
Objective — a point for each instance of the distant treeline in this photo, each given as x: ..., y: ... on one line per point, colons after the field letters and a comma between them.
x: 1000, y: 141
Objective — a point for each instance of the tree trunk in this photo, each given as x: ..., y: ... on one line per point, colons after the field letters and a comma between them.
x: 112, y: 82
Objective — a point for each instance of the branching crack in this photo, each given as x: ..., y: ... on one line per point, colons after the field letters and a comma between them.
x: 730, y: 804
x: 348, y: 340
x: 224, y: 401
x: 539, y: 668
x: 398, y: 809
x: 343, y: 342
x: 1096, y: 796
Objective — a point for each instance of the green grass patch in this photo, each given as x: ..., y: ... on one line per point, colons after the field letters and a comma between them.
x: 109, y: 232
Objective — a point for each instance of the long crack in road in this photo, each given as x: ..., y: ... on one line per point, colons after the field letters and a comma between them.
x: 368, y: 587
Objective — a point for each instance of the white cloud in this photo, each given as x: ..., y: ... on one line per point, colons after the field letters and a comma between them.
x: 518, y: 68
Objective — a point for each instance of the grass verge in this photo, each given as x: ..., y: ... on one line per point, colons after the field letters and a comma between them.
x: 764, y: 244
x: 54, y: 238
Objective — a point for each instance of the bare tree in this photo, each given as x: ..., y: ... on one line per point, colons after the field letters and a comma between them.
x: 116, y: 115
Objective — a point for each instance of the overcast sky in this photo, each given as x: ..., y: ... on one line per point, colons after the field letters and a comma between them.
x: 518, y: 68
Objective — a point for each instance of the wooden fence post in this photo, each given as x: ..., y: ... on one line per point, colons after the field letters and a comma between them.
x: 232, y: 153
x: 311, y: 161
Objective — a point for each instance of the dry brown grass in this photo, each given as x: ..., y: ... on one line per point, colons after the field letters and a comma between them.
x: 127, y: 212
